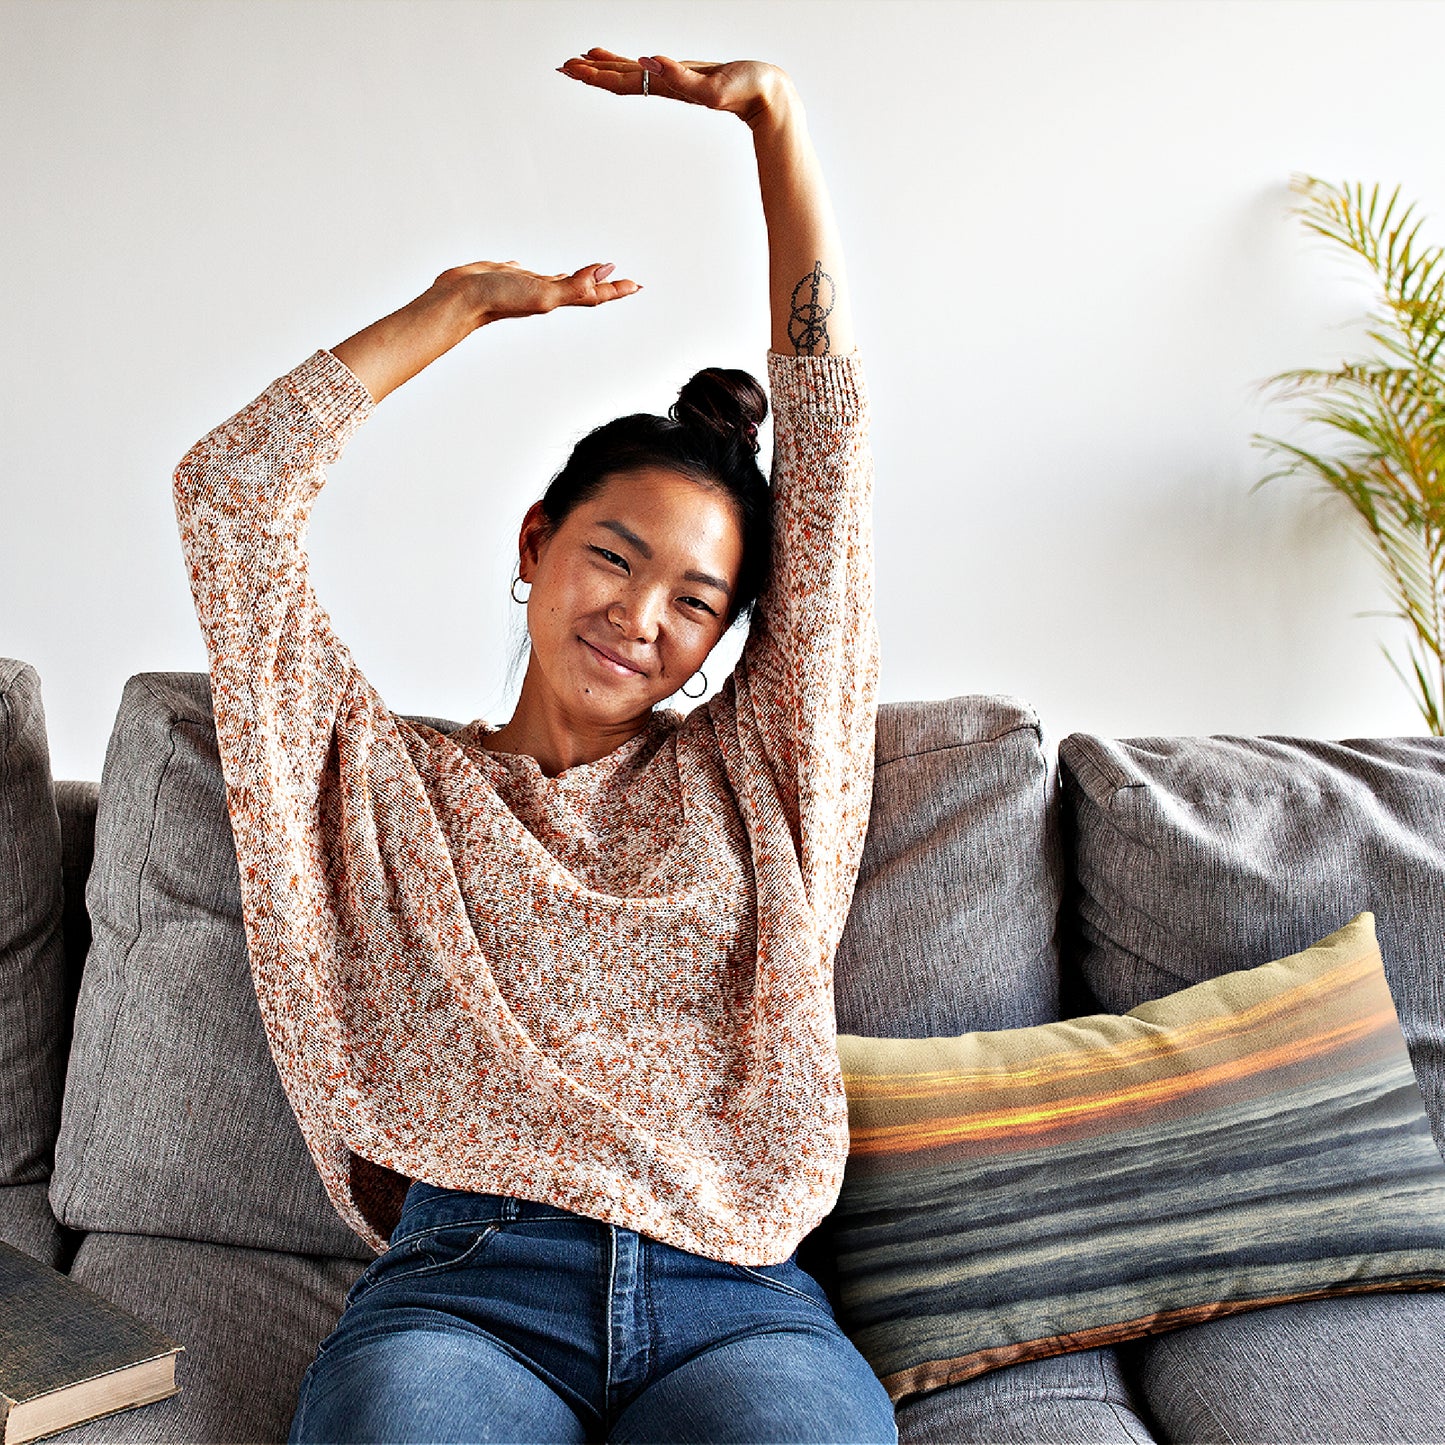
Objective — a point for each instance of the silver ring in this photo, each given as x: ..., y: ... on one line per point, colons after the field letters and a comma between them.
x: 646, y: 81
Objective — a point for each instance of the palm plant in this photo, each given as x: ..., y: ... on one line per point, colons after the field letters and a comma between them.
x: 1386, y: 417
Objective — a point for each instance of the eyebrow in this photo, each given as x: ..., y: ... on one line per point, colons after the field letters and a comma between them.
x: 631, y: 537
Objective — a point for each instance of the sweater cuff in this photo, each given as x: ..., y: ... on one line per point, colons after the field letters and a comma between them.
x: 833, y: 384
x: 333, y: 394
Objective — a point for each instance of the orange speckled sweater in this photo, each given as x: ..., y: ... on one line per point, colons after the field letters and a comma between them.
x: 610, y: 991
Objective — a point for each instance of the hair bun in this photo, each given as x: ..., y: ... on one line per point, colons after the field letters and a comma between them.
x: 722, y: 402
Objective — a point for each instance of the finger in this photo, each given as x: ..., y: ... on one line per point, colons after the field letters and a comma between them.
x: 614, y: 291
x: 675, y: 79
x: 590, y: 286
x: 592, y: 62
x: 614, y: 81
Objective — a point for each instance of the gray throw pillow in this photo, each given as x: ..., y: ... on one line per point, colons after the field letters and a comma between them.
x: 175, y: 1122
x: 1197, y: 856
x: 32, y: 952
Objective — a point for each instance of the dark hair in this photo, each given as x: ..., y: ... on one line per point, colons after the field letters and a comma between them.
x: 709, y: 434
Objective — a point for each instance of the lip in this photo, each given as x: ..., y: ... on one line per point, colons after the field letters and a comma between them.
x: 619, y: 666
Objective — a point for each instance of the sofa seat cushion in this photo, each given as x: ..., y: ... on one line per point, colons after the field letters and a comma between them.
x: 1080, y: 1399
x: 250, y: 1321
x: 33, y: 1029
x: 1366, y: 1369
x: 1196, y: 856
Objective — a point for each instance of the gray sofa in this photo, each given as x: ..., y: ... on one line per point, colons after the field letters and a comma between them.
x: 146, y: 1146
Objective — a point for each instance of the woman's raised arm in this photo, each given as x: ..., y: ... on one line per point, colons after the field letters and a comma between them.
x: 803, y: 695
x: 458, y: 302
x: 807, y: 288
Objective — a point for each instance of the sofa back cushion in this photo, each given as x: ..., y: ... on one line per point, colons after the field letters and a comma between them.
x: 32, y: 963
x: 953, y: 921
x: 1197, y: 856
x: 175, y: 1122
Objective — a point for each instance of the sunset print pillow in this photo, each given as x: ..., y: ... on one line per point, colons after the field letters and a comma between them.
x: 1251, y: 1140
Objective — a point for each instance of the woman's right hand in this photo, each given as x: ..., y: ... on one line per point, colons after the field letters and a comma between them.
x: 495, y: 290
x: 392, y: 350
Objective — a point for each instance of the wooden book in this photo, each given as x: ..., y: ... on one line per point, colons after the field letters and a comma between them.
x: 67, y: 1355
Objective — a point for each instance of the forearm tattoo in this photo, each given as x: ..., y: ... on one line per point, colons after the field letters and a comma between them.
x: 813, y: 299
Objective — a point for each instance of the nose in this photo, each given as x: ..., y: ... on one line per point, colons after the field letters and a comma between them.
x: 638, y: 615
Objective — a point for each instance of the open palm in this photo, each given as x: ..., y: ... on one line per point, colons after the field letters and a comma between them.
x: 499, y: 289
x: 742, y: 87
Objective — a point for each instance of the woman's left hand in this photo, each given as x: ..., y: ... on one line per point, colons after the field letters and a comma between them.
x: 746, y: 88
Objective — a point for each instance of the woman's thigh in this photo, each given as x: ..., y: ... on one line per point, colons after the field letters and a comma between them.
x: 796, y: 1383
x: 415, y: 1375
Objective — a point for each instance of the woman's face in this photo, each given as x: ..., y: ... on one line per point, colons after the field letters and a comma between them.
x: 630, y: 593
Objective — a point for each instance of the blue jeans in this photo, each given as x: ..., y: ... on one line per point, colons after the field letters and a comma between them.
x: 494, y: 1318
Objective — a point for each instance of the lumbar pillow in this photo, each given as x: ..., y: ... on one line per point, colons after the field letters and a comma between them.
x: 1250, y: 1140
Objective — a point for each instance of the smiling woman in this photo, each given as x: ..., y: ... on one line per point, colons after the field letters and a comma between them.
x: 648, y: 611
x: 553, y: 1000
x: 652, y: 540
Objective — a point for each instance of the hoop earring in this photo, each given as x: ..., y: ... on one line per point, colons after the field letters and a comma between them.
x: 527, y: 585
x: 695, y: 695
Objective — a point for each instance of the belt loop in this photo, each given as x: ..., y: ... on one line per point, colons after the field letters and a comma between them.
x: 511, y: 1207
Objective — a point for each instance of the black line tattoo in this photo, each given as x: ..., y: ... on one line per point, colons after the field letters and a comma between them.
x: 813, y: 299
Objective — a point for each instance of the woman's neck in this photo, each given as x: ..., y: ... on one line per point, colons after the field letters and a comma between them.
x: 557, y: 741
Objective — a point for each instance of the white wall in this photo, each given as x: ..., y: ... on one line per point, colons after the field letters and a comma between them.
x: 1069, y: 242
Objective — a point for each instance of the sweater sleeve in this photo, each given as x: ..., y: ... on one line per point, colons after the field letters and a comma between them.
x: 243, y: 498
x: 808, y: 676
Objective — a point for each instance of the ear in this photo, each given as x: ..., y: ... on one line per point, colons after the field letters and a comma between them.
x: 532, y: 540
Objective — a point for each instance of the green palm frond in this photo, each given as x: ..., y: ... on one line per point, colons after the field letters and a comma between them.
x: 1385, y: 417
x: 1411, y: 274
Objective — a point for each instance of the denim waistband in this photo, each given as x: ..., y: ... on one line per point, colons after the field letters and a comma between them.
x: 430, y: 1206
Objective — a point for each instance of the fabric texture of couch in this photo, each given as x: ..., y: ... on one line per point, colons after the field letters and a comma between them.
x: 146, y: 1145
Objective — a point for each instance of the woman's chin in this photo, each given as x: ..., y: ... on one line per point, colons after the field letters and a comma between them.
x: 614, y: 706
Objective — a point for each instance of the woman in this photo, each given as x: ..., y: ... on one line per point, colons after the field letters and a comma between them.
x: 552, y: 1001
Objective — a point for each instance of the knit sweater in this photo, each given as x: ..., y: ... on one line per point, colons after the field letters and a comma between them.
x: 609, y: 990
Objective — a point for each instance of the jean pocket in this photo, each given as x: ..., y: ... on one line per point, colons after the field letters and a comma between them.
x: 433, y: 1251
x: 787, y: 1278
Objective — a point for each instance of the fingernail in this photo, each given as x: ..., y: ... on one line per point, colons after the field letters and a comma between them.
x: 650, y: 62
x: 605, y: 271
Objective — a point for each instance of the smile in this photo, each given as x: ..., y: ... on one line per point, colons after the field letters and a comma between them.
x: 611, y: 661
